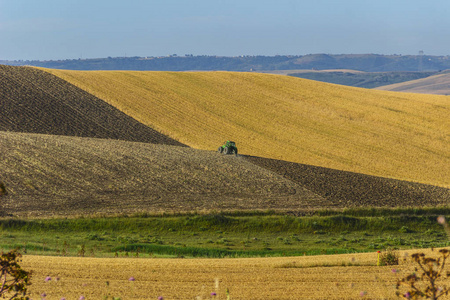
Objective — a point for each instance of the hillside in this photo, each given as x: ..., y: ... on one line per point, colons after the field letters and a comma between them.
x: 403, y: 136
x: 347, y: 189
x: 366, y: 80
x: 437, y: 84
x: 361, y: 62
x: 49, y: 175
x: 37, y: 102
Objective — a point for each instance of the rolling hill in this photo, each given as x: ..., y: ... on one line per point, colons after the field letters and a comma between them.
x: 395, y: 135
x: 437, y: 84
x: 87, y: 166
x: 50, y: 175
x: 366, y: 80
x: 37, y: 102
x: 361, y: 62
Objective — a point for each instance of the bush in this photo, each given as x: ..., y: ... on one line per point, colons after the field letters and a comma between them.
x: 389, y: 257
x: 424, y: 282
x: 14, y: 279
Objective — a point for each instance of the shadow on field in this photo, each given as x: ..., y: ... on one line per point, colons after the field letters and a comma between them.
x: 348, y: 189
x: 35, y: 101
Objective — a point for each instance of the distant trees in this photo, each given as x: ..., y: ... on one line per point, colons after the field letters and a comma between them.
x: 175, y: 62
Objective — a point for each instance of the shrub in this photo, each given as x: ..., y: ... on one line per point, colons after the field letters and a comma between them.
x: 423, y: 283
x: 389, y: 257
x: 14, y: 280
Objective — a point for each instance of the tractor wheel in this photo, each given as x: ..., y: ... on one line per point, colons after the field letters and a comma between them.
x: 220, y: 150
x: 235, y: 151
x: 226, y: 150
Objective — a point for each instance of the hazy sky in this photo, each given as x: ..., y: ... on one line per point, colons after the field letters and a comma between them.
x: 66, y: 29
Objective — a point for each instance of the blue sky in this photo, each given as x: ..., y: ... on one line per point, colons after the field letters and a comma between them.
x: 67, y: 29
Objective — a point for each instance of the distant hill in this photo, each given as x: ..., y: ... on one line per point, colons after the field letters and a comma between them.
x: 361, y: 62
x: 360, y: 79
x: 35, y: 101
x: 438, y: 84
x: 373, y: 132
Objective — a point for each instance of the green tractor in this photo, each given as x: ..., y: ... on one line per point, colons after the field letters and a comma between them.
x: 228, y: 147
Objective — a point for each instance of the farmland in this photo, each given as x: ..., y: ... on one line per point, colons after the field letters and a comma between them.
x: 357, y: 78
x: 438, y: 84
x: 403, y: 136
x: 36, y: 102
x: 309, y: 277
x: 47, y: 174
x: 84, y: 178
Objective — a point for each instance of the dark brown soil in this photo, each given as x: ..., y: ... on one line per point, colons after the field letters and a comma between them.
x: 35, y: 101
x: 49, y: 175
x: 347, y: 189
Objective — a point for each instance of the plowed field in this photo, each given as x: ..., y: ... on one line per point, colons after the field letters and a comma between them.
x: 348, y: 189
x: 53, y: 175
x: 37, y: 102
x: 49, y: 175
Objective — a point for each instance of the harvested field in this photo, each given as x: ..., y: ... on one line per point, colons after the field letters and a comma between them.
x: 311, y: 277
x: 387, y: 134
x: 49, y: 175
x: 437, y: 84
x: 54, y: 175
x: 37, y: 102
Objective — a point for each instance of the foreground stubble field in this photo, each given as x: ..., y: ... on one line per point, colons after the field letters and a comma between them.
x: 246, y: 278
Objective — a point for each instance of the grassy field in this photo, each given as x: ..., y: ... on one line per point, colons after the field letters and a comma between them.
x: 380, y: 133
x: 218, y: 235
x: 129, y: 257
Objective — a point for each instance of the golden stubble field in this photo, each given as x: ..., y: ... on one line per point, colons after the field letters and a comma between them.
x: 252, y: 278
x: 388, y: 134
